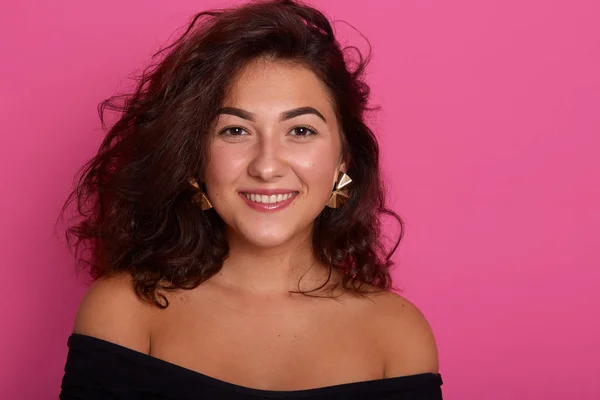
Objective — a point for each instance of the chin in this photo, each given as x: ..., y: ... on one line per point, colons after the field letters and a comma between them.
x: 268, y: 236
x: 268, y: 241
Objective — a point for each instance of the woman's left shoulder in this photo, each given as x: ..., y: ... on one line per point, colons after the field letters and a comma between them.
x: 405, y: 336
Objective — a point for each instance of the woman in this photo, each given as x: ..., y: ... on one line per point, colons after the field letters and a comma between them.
x: 225, y: 265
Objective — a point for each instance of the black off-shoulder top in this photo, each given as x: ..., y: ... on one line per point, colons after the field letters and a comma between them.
x: 99, y: 370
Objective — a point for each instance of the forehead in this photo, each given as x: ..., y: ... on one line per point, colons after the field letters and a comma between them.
x: 278, y: 85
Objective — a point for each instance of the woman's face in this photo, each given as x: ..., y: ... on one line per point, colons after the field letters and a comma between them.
x: 274, y: 154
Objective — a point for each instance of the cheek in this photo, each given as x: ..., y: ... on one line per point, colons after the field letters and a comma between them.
x: 317, y: 169
x: 224, y: 167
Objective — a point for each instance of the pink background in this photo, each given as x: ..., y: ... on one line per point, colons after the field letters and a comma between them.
x: 490, y: 133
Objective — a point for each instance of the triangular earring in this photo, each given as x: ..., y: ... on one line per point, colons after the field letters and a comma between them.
x: 200, y: 198
x: 340, y: 193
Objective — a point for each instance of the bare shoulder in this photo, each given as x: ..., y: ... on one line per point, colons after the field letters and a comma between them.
x: 110, y: 310
x: 406, y: 337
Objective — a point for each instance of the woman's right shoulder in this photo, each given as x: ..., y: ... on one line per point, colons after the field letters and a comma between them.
x: 111, y: 310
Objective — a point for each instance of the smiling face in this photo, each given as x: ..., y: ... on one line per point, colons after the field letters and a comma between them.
x: 274, y: 154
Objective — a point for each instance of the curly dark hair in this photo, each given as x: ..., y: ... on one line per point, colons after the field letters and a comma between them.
x: 134, y: 200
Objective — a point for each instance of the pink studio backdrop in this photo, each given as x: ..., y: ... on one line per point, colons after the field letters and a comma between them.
x: 490, y: 131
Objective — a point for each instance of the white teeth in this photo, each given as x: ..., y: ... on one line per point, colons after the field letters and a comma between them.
x: 274, y: 198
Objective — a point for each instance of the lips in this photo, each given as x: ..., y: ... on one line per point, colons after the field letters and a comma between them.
x: 268, y: 200
x: 267, y: 192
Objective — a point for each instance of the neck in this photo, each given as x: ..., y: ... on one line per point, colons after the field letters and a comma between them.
x: 273, y: 270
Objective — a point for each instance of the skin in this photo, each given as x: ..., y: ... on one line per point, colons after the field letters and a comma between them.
x: 243, y: 326
x: 269, y: 252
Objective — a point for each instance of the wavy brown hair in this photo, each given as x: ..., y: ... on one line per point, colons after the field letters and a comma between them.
x: 134, y: 202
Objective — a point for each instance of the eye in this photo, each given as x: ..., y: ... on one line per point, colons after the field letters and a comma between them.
x: 233, y: 131
x: 303, y: 131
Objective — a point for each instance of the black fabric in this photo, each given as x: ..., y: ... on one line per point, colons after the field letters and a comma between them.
x: 100, y: 370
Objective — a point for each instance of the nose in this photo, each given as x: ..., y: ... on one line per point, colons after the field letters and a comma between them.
x: 268, y: 158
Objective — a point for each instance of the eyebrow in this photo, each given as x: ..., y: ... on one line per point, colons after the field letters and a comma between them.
x: 295, y: 112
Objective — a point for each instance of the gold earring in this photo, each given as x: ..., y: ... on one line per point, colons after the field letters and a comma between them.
x: 340, y: 193
x: 200, y: 198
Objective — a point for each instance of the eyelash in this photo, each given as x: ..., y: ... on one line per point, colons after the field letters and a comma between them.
x: 311, y: 131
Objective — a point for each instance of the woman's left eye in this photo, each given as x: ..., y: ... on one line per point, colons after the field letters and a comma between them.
x: 303, y: 131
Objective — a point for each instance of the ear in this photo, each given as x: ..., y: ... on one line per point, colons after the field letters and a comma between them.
x: 343, y: 161
x: 342, y: 167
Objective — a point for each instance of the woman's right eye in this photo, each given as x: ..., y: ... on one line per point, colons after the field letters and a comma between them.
x: 232, y: 131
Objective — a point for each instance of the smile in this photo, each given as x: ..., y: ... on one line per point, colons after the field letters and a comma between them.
x: 266, y: 202
x: 272, y: 199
